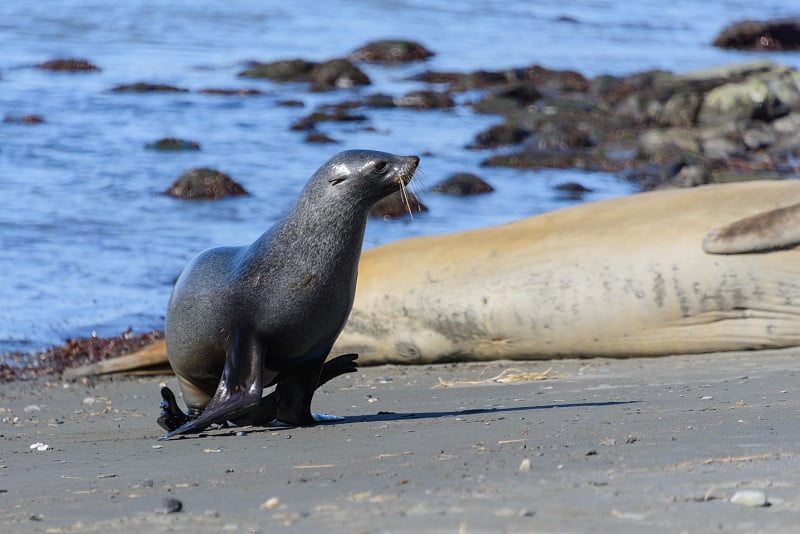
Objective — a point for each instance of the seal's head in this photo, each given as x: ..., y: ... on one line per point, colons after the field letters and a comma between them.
x: 364, y: 174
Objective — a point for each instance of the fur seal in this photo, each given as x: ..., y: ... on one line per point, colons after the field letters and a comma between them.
x: 616, y: 278
x: 243, y: 318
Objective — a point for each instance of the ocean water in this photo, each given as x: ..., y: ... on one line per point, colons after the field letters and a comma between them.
x: 87, y: 243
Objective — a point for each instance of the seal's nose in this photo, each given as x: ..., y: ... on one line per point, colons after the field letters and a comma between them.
x: 414, y: 160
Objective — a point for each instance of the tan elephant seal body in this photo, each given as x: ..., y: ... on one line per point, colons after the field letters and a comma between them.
x: 624, y: 277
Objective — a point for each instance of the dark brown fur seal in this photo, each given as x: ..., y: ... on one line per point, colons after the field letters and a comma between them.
x: 243, y: 318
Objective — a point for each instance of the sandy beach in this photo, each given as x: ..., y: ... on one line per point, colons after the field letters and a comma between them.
x: 599, y: 445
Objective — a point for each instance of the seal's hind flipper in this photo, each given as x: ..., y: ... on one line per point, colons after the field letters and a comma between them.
x: 346, y: 363
x: 239, y: 389
x: 770, y: 230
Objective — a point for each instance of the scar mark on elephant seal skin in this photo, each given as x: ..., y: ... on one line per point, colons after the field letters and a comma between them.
x: 683, y: 299
x: 658, y: 289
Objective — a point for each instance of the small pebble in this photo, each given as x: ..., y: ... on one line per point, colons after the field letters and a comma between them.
x: 706, y: 397
x: 270, y: 504
x: 89, y: 400
x: 39, y: 446
x: 170, y: 506
x: 525, y: 466
x: 749, y: 498
x: 32, y: 408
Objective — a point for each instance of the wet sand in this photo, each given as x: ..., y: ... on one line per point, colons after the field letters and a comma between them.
x: 612, y: 445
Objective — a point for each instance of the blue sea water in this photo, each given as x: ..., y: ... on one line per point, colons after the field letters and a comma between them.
x: 88, y: 245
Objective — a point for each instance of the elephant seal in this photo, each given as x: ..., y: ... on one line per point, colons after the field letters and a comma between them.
x: 243, y: 318
x: 616, y: 278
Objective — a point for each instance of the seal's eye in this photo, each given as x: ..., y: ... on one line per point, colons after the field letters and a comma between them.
x: 381, y: 167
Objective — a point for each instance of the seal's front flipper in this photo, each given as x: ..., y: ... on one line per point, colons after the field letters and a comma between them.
x: 294, y: 392
x: 770, y: 230
x: 239, y: 389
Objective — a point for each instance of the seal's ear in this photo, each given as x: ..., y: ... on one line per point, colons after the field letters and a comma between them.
x: 336, y: 180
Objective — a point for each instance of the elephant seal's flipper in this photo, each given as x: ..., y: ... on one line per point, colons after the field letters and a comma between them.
x: 770, y: 230
x: 239, y: 389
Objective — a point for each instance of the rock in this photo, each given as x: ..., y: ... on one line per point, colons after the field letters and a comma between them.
x: 425, y: 100
x: 753, y: 498
x: 291, y: 70
x: 336, y: 74
x: 169, y: 505
x: 201, y: 183
x: 318, y: 137
x: 391, y: 51
x: 463, y: 184
x: 142, y: 87
x: 721, y: 149
x: 499, y: 135
x: 525, y: 466
x: 395, y: 206
x: 776, y: 34
x: 67, y: 65
x: 690, y: 176
x: 172, y: 144
x: 326, y: 114
x: 230, y: 92
x: 741, y: 101
x: 380, y: 101
x: 24, y: 119
x: 668, y: 143
x: 572, y: 190
x: 271, y: 504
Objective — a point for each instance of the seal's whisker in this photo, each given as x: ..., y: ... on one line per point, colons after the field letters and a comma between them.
x: 405, y: 198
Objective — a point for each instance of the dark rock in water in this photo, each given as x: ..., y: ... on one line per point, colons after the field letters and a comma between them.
x: 318, y: 137
x: 499, y: 135
x: 572, y: 187
x: 23, y: 119
x: 291, y: 103
x: 67, y: 65
x: 380, y: 101
x: 513, y: 95
x: 391, y: 51
x: 290, y: 70
x: 230, y: 92
x: 172, y: 143
x: 327, y: 114
x: 430, y: 76
x: 463, y: 184
x: 395, y: 206
x: 142, y: 87
x: 777, y: 34
x: 202, y: 184
x: 425, y: 100
x: 572, y: 190
x: 336, y: 74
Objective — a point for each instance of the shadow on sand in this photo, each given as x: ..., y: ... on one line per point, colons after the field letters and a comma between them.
x: 405, y: 416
